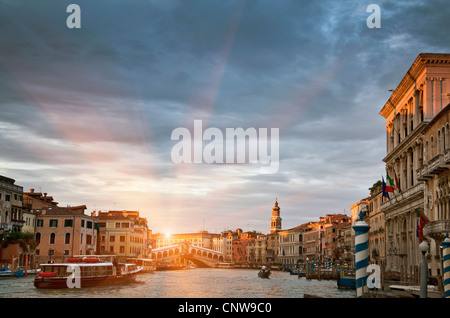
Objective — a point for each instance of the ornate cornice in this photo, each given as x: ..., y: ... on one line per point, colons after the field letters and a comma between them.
x: 423, y: 60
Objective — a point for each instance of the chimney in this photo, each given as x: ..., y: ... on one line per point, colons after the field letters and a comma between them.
x: 31, y: 190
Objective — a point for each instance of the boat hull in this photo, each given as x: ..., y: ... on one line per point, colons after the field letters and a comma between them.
x: 346, y: 282
x: 262, y: 274
x: 61, y: 282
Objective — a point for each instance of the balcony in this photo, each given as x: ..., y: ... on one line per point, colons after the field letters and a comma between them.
x: 414, y: 193
x: 423, y: 174
x: 437, y: 229
x: 435, y: 166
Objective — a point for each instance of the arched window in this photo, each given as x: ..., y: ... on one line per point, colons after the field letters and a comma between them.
x: 52, y: 238
x: 439, y: 142
x: 67, y: 239
x: 443, y: 139
x: 431, y: 147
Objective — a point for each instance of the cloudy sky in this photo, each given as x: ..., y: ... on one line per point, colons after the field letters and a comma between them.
x: 87, y: 114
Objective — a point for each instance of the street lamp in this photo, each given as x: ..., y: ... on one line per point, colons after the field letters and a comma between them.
x: 424, y: 270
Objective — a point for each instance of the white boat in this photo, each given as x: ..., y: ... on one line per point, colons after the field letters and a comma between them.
x: 414, y: 291
x: 148, y: 265
x: 92, y: 271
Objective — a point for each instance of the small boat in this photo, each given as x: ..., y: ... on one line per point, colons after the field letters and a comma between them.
x: 6, y: 272
x: 293, y: 271
x: 414, y: 291
x: 89, y: 271
x: 264, y: 274
x: 346, y: 282
x: 148, y: 265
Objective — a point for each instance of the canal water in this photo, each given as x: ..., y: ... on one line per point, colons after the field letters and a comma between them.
x: 195, y: 283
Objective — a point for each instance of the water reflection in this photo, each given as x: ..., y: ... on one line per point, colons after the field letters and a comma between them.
x: 197, y: 283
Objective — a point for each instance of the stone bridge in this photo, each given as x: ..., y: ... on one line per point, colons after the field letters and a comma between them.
x: 179, y: 253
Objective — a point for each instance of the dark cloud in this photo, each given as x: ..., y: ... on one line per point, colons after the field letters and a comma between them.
x: 94, y: 108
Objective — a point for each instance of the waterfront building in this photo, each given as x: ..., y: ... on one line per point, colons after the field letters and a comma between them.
x: 290, y: 246
x: 261, y: 249
x: 224, y: 243
x: 312, y: 241
x: 413, y: 157
x: 332, y: 223
x: 243, y: 246
x: 123, y: 233
x: 361, y: 205
x: 266, y: 248
x: 62, y: 232
x: 345, y: 246
x: 237, y: 246
x: 435, y: 173
x: 11, y: 197
x: 376, y: 221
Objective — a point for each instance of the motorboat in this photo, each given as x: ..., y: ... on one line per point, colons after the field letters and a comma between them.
x: 85, y: 272
x: 264, y: 272
x: 6, y: 272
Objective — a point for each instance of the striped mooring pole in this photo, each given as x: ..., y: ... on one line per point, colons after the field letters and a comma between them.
x: 446, y: 265
x: 361, y: 254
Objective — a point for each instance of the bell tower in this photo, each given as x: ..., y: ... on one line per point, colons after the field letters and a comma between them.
x: 275, y: 220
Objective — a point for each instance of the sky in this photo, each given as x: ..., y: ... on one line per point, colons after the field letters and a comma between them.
x: 87, y: 114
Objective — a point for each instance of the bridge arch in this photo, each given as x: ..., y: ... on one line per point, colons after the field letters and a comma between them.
x: 183, y: 251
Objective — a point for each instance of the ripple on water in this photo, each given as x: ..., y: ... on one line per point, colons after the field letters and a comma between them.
x: 197, y: 283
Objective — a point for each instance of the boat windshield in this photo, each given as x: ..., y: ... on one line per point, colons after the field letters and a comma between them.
x: 85, y: 271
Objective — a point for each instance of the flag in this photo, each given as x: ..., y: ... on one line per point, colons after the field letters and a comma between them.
x: 397, y: 182
x: 422, y: 220
x: 389, y: 187
x: 385, y: 194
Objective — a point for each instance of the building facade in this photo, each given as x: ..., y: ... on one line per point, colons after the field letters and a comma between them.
x: 290, y: 246
x: 123, y: 233
x: 435, y: 173
x: 421, y: 95
x: 11, y: 197
x: 312, y: 242
x: 377, y: 233
x: 332, y: 223
x: 62, y: 232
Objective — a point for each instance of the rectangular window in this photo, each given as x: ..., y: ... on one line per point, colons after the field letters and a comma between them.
x: 39, y: 223
x: 126, y: 225
x: 68, y: 223
x: 122, y: 238
x: 7, y: 198
x: 82, y: 223
x: 89, y: 224
x: 112, y: 238
x: 117, y: 225
x: 122, y: 249
x: 53, y: 223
